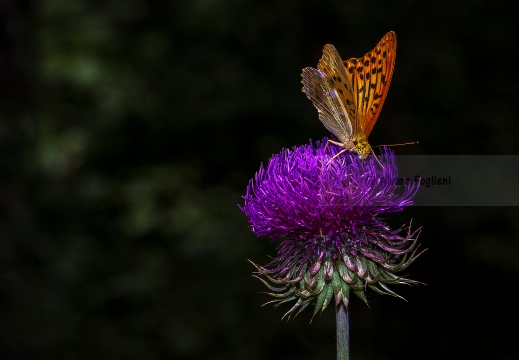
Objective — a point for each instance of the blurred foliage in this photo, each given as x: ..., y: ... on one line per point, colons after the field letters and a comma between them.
x: 129, y: 130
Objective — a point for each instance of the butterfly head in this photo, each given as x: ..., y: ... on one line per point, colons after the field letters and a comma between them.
x: 362, y: 147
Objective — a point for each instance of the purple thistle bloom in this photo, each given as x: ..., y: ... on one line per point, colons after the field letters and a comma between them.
x: 331, y: 214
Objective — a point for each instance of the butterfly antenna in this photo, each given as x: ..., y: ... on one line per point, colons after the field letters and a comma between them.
x: 406, y: 143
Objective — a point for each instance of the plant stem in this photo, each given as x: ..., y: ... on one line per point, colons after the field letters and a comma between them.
x: 342, y: 316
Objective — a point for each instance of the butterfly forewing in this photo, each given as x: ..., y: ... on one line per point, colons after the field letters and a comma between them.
x: 371, y: 76
x: 320, y: 89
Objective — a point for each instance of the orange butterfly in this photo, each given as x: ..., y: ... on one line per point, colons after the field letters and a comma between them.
x: 349, y: 95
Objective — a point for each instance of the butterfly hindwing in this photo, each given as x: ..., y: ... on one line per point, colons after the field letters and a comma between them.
x: 322, y: 92
x: 331, y: 64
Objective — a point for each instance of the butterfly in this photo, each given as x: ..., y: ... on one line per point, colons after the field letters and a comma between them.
x: 349, y: 94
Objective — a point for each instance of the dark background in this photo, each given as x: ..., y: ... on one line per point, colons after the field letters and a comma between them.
x: 129, y: 130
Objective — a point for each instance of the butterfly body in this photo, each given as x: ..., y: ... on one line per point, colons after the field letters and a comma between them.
x: 349, y: 95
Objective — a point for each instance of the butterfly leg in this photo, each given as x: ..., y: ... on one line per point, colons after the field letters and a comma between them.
x: 335, y: 143
x: 376, y: 158
x: 334, y: 156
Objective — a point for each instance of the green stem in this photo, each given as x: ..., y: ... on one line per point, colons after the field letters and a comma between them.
x: 343, y: 332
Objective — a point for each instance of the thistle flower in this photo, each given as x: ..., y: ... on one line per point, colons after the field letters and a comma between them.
x: 331, y: 216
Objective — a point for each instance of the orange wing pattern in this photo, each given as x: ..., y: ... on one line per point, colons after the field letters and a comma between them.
x: 371, y: 76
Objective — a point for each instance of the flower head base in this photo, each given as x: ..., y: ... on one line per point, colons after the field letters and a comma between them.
x: 331, y: 213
